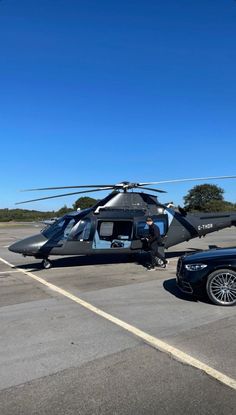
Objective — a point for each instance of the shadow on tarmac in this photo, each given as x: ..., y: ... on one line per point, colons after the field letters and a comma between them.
x: 99, y: 259
x: 140, y: 259
x: 81, y: 261
x: 171, y: 286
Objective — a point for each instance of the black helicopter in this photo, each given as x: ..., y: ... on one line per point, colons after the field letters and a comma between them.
x: 116, y: 224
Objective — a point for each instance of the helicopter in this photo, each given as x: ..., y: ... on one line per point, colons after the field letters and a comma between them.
x: 117, y: 223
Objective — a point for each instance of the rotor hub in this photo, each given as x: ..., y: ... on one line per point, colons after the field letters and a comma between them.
x: 126, y: 185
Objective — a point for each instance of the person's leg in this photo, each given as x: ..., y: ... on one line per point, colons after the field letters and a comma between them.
x: 159, y: 255
x: 153, y: 254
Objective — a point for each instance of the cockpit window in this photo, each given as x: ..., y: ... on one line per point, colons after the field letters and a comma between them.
x: 60, y: 229
x: 68, y: 228
x: 82, y: 230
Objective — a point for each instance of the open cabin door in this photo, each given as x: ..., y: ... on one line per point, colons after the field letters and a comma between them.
x: 113, y: 235
x: 141, y: 229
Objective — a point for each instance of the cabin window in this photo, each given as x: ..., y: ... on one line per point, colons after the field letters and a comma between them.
x: 121, y: 230
x: 142, y: 227
x: 106, y: 229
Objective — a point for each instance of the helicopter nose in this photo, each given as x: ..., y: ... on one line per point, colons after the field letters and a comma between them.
x: 28, y: 246
x: 18, y: 247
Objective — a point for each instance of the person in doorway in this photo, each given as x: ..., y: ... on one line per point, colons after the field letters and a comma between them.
x: 154, y: 242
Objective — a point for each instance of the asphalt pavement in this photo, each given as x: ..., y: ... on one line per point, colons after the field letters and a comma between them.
x: 58, y: 357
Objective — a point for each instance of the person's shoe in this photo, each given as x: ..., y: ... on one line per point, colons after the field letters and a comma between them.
x: 165, y: 264
x: 150, y: 268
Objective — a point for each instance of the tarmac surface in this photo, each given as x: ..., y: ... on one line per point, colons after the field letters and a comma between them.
x: 58, y: 357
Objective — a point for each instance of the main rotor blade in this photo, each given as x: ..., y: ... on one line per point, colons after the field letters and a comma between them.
x: 188, y: 180
x: 122, y: 184
x: 70, y: 187
x: 153, y: 190
x: 64, y: 194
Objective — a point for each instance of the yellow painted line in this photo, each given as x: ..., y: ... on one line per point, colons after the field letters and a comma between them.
x: 7, y: 272
x: 147, y: 338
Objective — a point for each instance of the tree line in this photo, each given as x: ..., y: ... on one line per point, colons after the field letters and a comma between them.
x: 25, y: 215
x: 201, y: 198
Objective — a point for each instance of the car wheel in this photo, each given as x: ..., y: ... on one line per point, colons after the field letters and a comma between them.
x: 221, y: 287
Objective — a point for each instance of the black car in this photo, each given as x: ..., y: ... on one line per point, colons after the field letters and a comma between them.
x: 212, y: 272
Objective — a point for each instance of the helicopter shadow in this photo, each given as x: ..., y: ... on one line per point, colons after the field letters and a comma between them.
x: 82, y: 261
x: 140, y: 259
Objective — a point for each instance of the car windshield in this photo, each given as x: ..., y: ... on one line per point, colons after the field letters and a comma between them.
x: 60, y: 229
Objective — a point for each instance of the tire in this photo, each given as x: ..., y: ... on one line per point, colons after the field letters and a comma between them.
x: 46, y: 264
x: 221, y: 287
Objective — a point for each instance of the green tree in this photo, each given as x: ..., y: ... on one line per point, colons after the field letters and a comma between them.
x: 219, y: 206
x: 84, y: 202
x: 64, y: 210
x: 205, y: 198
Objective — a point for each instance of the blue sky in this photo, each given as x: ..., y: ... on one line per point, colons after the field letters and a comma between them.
x: 104, y: 91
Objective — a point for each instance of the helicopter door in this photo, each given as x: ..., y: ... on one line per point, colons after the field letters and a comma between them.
x: 113, y: 235
x: 76, y: 238
x: 80, y: 240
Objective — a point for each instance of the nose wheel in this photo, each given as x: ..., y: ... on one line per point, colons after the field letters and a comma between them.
x: 46, y: 264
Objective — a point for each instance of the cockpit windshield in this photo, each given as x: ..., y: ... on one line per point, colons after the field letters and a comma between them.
x: 60, y: 229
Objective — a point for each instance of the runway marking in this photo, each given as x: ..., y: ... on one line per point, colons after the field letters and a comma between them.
x: 147, y: 338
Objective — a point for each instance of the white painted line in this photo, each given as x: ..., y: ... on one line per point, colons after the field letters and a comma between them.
x: 147, y: 338
x: 7, y: 272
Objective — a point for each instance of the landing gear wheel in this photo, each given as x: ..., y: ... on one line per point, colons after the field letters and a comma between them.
x: 46, y: 264
x: 221, y: 287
